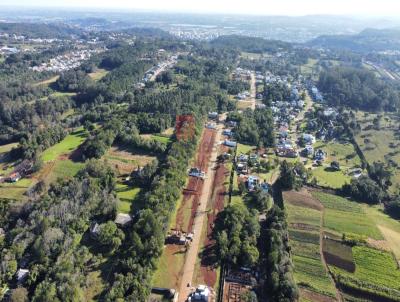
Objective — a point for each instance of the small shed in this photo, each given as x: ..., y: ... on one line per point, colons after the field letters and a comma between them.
x: 21, y: 275
x: 123, y: 219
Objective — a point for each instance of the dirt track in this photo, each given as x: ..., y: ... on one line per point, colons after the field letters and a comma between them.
x: 206, y: 161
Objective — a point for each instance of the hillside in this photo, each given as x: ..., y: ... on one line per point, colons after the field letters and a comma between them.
x: 369, y: 40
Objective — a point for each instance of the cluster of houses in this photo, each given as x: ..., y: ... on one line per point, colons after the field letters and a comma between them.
x: 241, y: 74
x: 66, y: 61
x: 253, y: 182
x: 153, y: 72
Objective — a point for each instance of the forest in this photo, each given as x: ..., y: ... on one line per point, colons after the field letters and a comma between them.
x: 358, y: 89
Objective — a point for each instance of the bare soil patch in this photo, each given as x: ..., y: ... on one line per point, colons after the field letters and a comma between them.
x: 302, y: 198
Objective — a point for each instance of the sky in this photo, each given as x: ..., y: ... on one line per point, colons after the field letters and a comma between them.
x: 258, y: 7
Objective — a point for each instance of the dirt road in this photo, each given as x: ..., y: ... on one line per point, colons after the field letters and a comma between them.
x: 193, y: 251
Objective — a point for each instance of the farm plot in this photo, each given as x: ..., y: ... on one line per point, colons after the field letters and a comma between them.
x: 376, y: 274
x: 304, y: 219
x: 344, y: 216
x: 338, y: 254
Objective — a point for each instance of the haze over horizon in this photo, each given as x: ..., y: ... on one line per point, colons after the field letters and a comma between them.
x: 369, y: 8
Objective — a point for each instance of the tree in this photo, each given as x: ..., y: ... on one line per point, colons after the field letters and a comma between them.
x: 393, y: 208
x: 287, y: 178
x: 19, y: 294
x: 364, y: 189
x: 259, y: 199
x: 110, y: 235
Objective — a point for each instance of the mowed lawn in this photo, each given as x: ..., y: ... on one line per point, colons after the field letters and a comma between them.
x: 345, y: 155
x: 345, y: 216
x: 69, y: 144
x: 330, y: 179
x: 126, y: 195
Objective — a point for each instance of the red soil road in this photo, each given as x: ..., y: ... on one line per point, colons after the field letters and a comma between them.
x: 195, y: 185
x: 206, y: 160
x: 217, y: 205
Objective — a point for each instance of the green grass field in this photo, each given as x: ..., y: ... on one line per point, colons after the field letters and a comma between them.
x: 298, y: 214
x: 308, y: 68
x: 331, y: 179
x: 66, y: 146
x: 65, y: 168
x: 345, y: 216
x: 345, y: 154
x: 15, y: 190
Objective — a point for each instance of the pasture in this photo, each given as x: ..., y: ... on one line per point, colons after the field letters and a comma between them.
x: 379, y: 140
x: 389, y: 227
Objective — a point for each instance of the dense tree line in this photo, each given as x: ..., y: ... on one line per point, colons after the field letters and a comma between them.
x: 279, y: 285
x: 293, y: 175
x: 35, y: 143
x: 276, y: 93
x: 18, y: 118
x: 234, y: 86
x: 73, y: 81
x: 236, y: 233
x: 364, y: 189
x: 358, y: 88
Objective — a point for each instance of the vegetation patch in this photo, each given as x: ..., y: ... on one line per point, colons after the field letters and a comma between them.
x: 376, y: 273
